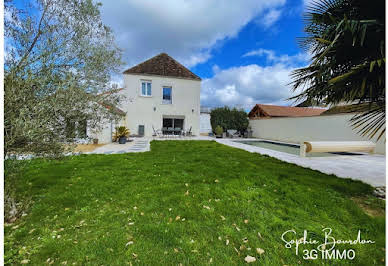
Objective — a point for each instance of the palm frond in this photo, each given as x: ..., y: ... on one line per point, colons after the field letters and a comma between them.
x: 347, y: 41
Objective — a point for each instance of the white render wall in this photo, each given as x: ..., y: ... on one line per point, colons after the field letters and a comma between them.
x: 106, y: 132
x: 149, y: 111
x: 297, y: 129
x: 205, y: 126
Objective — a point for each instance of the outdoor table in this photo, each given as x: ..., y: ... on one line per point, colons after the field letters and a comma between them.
x: 178, y: 131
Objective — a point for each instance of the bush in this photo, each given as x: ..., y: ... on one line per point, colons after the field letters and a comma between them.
x: 228, y: 118
x: 218, y: 130
x: 121, y: 131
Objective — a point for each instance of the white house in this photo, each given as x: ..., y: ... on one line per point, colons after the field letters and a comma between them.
x: 159, y: 93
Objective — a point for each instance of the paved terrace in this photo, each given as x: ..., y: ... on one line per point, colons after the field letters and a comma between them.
x: 367, y: 168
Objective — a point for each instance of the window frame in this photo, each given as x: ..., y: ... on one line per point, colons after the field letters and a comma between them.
x: 146, y: 88
x: 167, y: 101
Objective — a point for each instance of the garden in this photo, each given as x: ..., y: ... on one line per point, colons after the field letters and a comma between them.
x: 186, y: 202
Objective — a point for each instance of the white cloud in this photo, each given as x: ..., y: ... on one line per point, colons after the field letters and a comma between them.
x: 270, y: 18
x: 271, y: 57
x: 245, y: 86
x: 187, y: 30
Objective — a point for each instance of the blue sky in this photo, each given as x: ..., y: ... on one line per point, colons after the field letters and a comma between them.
x: 280, y: 37
x: 243, y: 50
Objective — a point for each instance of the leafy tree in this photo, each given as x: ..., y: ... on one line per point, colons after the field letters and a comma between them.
x: 347, y: 41
x: 59, y: 58
x: 228, y: 118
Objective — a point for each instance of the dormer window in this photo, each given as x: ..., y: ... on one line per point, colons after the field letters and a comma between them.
x: 146, y: 88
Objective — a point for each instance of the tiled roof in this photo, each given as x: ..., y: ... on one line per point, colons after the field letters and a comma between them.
x: 111, y: 91
x: 162, y: 65
x: 350, y: 108
x: 264, y: 110
x: 113, y: 108
x: 110, y: 106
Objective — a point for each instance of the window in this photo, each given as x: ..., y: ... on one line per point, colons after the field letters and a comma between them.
x: 167, y: 98
x: 146, y: 88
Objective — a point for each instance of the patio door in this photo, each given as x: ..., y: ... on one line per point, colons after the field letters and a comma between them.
x: 173, y: 123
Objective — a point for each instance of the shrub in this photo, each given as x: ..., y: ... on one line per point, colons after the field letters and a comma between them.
x: 228, y: 118
x: 219, y: 130
x: 121, y: 131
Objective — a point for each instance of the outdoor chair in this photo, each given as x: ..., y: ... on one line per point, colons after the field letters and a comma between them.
x: 188, y: 133
x: 231, y: 133
x: 157, y: 133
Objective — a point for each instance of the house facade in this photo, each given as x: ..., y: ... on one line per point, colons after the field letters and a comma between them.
x: 159, y: 93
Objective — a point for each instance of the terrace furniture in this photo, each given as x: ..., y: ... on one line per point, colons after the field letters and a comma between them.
x: 188, y: 133
x: 157, y: 133
x: 178, y: 131
x: 164, y: 131
x: 232, y: 133
x: 336, y: 146
x: 170, y: 131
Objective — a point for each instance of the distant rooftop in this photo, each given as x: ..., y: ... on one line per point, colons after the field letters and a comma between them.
x: 162, y: 65
x: 264, y: 110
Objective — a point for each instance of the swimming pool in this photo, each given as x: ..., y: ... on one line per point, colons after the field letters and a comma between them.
x: 290, y: 148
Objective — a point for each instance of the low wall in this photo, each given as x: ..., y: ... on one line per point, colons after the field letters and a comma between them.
x: 318, y: 128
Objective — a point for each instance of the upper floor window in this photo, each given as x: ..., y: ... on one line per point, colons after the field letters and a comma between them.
x: 167, y: 97
x: 146, y: 88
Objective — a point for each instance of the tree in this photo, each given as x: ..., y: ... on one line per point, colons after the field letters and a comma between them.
x: 59, y: 58
x: 229, y: 119
x: 347, y: 41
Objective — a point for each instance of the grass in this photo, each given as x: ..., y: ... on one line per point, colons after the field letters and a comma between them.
x: 188, y: 202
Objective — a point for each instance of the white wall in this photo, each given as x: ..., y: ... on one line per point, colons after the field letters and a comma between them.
x: 140, y: 109
x: 297, y: 129
x: 205, y: 126
x: 106, y: 131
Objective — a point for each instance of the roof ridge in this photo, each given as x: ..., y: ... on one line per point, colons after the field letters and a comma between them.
x: 179, y: 63
x: 285, y: 111
x: 305, y: 107
x: 162, y: 65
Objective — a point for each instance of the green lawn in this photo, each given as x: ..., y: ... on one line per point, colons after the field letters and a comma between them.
x: 189, y: 202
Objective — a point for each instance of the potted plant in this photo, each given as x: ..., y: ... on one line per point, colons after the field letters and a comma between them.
x: 219, y: 131
x: 121, y: 134
x: 95, y: 141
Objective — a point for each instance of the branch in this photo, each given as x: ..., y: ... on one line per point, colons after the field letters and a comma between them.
x: 36, y: 37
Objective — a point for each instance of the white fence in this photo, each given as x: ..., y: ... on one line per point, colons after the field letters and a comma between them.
x: 315, y: 128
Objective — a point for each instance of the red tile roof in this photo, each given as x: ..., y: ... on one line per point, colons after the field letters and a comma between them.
x: 110, y: 106
x: 162, y: 65
x: 264, y: 110
x: 111, y: 91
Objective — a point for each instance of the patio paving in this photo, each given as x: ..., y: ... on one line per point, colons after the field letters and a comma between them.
x: 369, y: 168
x: 137, y: 145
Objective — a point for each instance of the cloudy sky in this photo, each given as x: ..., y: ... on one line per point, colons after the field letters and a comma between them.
x: 243, y: 50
